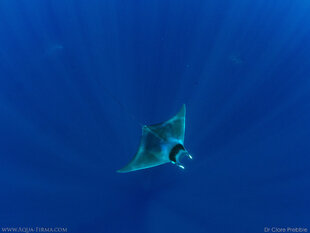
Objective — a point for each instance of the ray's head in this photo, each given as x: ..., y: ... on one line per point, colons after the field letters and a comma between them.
x: 177, y: 153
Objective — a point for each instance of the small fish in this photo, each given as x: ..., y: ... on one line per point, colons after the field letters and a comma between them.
x: 161, y: 143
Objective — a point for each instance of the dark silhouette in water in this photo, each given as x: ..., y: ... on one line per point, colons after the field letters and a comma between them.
x: 161, y: 143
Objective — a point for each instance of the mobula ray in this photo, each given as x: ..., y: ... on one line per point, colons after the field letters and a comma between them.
x: 161, y: 143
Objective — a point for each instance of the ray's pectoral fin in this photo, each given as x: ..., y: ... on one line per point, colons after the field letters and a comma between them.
x: 149, y: 154
x: 142, y: 160
x: 172, y: 128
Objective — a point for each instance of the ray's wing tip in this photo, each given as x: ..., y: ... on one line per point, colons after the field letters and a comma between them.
x: 122, y: 170
x: 182, y: 111
x: 126, y: 169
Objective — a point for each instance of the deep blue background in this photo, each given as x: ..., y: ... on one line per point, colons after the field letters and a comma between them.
x: 241, y: 66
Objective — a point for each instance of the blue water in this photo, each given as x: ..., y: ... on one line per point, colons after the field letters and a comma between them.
x: 77, y: 75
